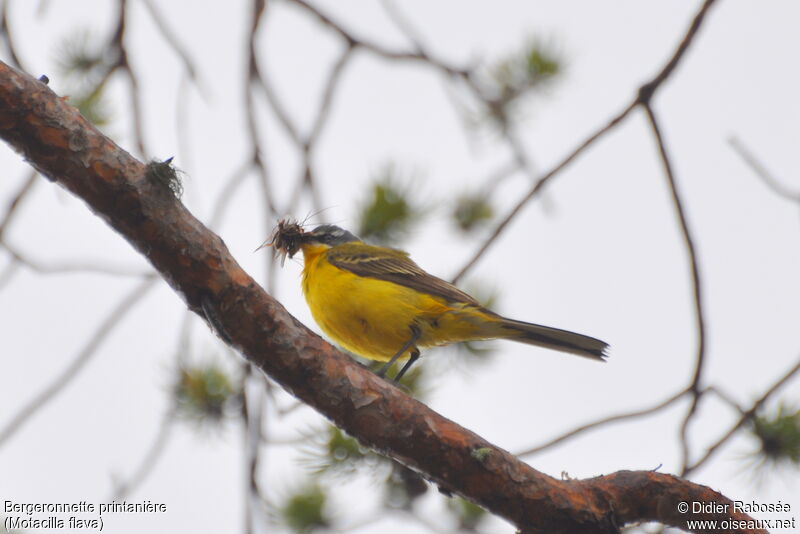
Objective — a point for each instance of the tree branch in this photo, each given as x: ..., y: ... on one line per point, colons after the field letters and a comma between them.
x: 67, y: 149
x: 644, y: 96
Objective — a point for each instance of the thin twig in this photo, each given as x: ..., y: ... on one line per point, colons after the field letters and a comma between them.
x: 255, y: 77
x: 182, y: 116
x: 148, y: 463
x: 417, y: 56
x: 258, y: 78
x: 16, y: 201
x: 249, y: 428
x: 112, y: 320
x: 226, y: 195
x: 521, y: 156
x: 648, y: 89
x: 604, y: 421
x: 8, y: 272
x: 724, y: 397
x: 331, y: 86
x: 498, y: 176
x: 263, y: 81
x: 5, y: 32
x: 253, y: 415
x: 403, y: 24
x: 538, y: 186
x: 306, y: 181
x: 697, y: 290
x: 761, y: 171
x: 122, y: 63
x: 645, y: 94
x: 69, y: 267
x: 173, y: 41
x: 136, y: 106
x: 746, y: 416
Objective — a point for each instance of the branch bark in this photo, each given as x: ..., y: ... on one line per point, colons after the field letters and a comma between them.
x: 67, y: 149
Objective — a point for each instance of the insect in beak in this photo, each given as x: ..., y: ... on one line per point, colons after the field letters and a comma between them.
x: 286, y: 239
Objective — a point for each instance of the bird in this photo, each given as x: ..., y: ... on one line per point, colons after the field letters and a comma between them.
x: 376, y: 302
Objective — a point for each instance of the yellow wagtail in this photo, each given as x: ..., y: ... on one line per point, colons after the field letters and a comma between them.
x: 377, y: 303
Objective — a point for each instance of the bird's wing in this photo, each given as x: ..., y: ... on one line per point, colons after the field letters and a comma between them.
x: 393, y: 266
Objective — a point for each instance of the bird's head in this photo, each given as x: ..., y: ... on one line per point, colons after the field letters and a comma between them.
x: 327, y: 235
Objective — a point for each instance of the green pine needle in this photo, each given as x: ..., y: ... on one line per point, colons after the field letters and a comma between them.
x: 511, y: 80
x: 472, y: 211
x: 81, y: 56
x: 389, y: 212
x: 94, y: 106
x: 779, y: 436
x: 469, y: 515
x: 205, y: 393
x: 306, y: 510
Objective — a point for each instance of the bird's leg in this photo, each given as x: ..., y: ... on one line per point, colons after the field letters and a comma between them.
x: 414, y: 357
x: 415, y: 333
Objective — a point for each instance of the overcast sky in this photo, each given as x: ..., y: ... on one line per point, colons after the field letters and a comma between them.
x: 600, y: 253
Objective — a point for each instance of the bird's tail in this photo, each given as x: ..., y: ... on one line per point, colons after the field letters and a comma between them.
x: 553, y: 338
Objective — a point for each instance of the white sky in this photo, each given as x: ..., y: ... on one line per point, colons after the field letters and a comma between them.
x: 601, y: 255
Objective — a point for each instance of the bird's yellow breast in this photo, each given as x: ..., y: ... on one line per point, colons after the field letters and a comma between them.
x: 372, y: 317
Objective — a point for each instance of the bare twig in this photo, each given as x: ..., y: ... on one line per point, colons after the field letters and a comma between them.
x: 47, y: 394
x: 496, y: 177
x: 251, y: 458
x: 306, y: 181
x: 168, y: 420
x: 761, y: 171
x: 331, y: 86
x: 724, y: 397
x: 258, y: 78
x: 253, y: 416
x: 255, y: 77
x: 647, y: 90
x: 173, y: 41
x: 136, y: 105
x: 16, y: 201
x: 644, y: 95
x: 416, y: 56
x: 697, y: 291
x: 604, y: 421
x: 158, y: 446
x: 746, y: 416
x: 5, y: 33
x: 232, y: 184
x: 8, y: 272
x: 542, y: 181
x: 403, y: 24
x: 182, y: 116
x: 70, y: 267
x: 118, y: 45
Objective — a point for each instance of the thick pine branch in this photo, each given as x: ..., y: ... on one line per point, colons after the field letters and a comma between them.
x: 67, y: 149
